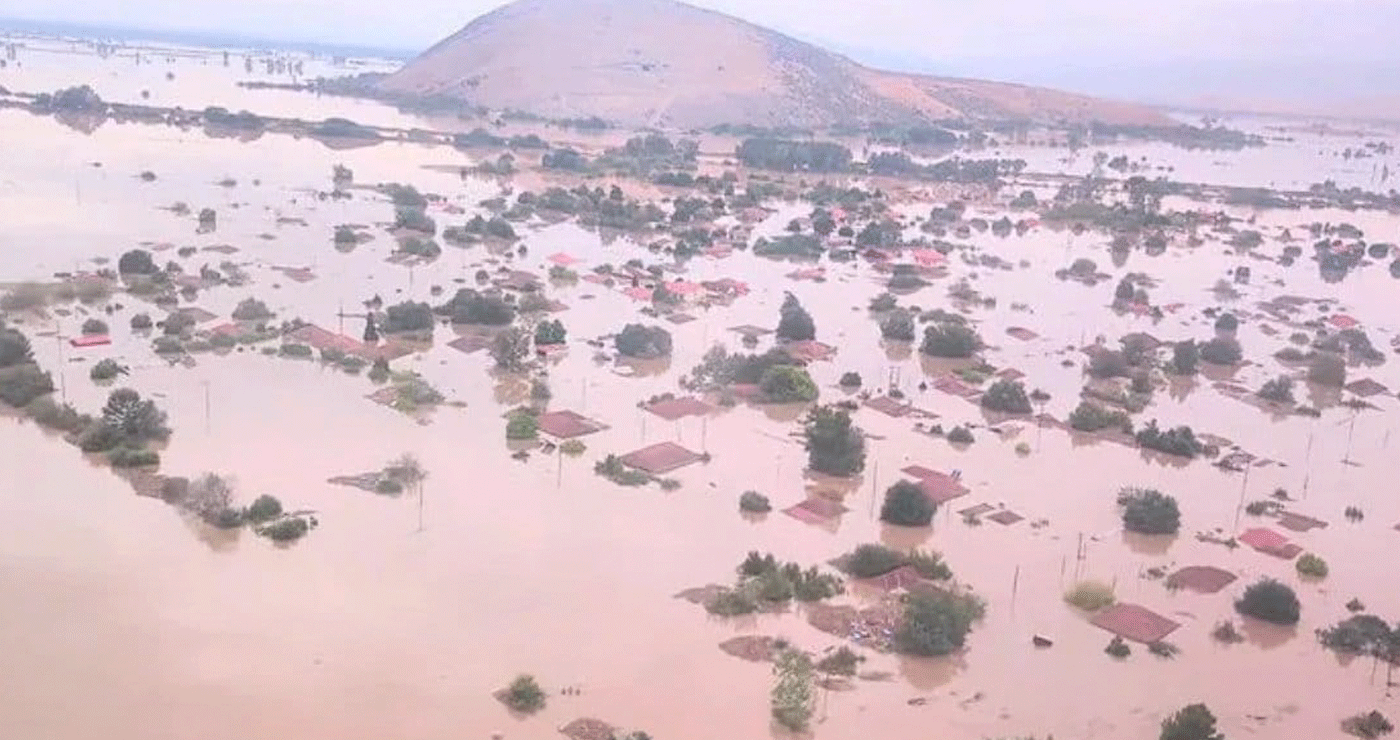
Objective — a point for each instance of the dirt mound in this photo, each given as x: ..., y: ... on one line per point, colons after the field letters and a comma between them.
x: 664, y: 63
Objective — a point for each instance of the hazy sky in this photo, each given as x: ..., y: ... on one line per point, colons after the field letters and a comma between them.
x: 929, y: 29
x: 1177, y: 50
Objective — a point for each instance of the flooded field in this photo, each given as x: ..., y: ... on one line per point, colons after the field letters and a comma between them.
x: 400, y: 615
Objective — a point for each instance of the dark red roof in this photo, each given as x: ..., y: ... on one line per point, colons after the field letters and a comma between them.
x: 660, y: 458
x: 1205, y: 579
x: 567, y: 424
x: 672, y: 409
x: 90, y: 340
x: 1134, y: 622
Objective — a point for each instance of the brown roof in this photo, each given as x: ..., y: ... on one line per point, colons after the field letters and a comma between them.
x: 1205, y: 579
x: 1298, y: 522
x: 1134, y: 622
x: 1006, y: 517
x: 816, y: 510
x: 567, y: 424
x: 1366, y: 388
x: 660, y: 458
x: 889, y: 406
x: 939, y: 487
x: 901, y: 577
x: 672, y: 409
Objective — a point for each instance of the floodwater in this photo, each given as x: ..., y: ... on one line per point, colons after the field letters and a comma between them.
x: 399, y: 617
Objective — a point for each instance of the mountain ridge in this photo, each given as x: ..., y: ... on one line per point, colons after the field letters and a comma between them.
x: 666, y: 64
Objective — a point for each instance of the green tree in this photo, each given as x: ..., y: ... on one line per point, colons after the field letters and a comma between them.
x: 137, y: 262
x: 137, y: 418
x: 1270, y: 601
x: 794, y: 323
x: 1007, y: 396
x: 14, y: 348
x: 906, y: 505
x: 792, y: 698
x: 1193, y: 722
x: 408, y: 316
x: 1186, y: 357
x: 835, y: 446
x: 550, y: 332
x: 787, y: 384
x: 937, y: 622
x: 1148, y: 511
x: 510, y: 349
x: 950, y: 339
x: 898, y: 326
x: 644, y: 342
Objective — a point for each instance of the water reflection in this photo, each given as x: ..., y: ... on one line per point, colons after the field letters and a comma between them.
x: 1266, y: 635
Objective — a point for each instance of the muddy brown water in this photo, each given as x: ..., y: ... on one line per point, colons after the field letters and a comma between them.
x: 372, y: 626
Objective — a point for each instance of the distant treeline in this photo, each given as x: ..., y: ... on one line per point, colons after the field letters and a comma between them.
x: 789, y: 155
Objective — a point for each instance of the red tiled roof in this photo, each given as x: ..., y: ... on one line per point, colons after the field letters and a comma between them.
x: 1134, y: 622
x: 660, y: 458
x: 567, y: 424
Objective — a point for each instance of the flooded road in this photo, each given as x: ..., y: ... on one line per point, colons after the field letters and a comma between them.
x: 392, y: 619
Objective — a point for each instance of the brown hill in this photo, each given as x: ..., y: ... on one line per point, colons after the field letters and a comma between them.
x: 667, y: 64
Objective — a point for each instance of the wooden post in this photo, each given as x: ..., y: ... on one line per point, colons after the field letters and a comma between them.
x: 1015, y: 586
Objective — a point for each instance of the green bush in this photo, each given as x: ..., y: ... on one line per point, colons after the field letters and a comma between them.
x: 136, y: 418
x: 20, y: 385
x: 1278, y: 390
x: 137, y: 262
x: 1090, y: 595
x: 1118, y: 648
x: 95, y: 326
x: 14, y: 348
x: 1222, y: 351
x: 960, y: 435
x: 906, y: 505
x: 264, y: 508
x: 643, y: 342
x: 1193, y: 722
x: 286, y: 530
x: 936, y: 622
x: 100, y: 436
x: 950, y: 339
x: 930, y: 565
x: 550, y: 332
x: 48, y: 413
x: 1312, y: 566
x: 107, y: 369
x: 1090, y: 417
x: 870, y: 561
x: 407, y: 316
x: 1270, y: 601
x: 1148, y: 511
x: 1328, y: 369
x: 470, y: 306
x: 295, y: 350
x: 1185, y: 358
x: 1371, y: 724
x: 883, y: 302
x: 1180, y: 441
x: 251, y: 309
x: 898, y: 326
x: 851, y: 380
x: 1007, y: 396
x: 732, y: 602
x: 522, y: 426
x: 787, y: 384
x: 132, y: 457
x: 612, y: 468
x: 754, y: 503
